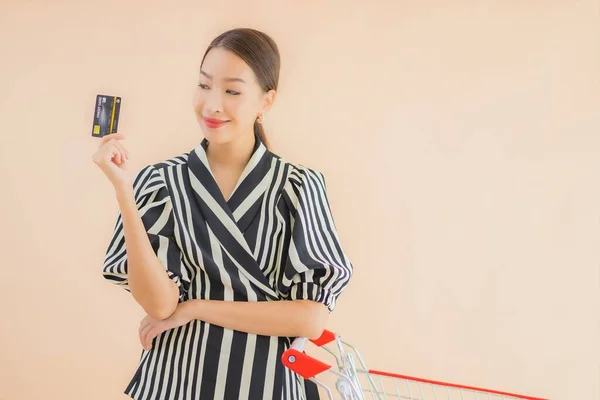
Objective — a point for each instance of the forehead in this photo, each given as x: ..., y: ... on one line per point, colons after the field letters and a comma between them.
x: 221, y: 63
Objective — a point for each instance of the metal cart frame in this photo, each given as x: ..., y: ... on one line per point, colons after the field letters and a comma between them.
x: 357, y: 382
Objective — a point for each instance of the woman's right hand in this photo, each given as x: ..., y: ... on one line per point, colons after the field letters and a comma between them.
x: 113, y: 159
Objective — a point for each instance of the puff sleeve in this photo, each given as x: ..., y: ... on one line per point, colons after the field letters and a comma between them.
x: 316, y: 267
x: 155, y: 208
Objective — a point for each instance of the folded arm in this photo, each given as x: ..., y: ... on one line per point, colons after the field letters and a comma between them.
x: 298, y: 318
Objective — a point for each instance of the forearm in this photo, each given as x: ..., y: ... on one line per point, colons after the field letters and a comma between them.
x: 148, y: 281
x: 300, y: 318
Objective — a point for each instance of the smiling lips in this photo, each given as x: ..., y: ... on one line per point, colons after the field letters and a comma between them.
x: 213, y: 123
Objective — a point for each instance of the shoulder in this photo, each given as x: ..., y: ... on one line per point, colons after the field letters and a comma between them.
x: 167, y: 165
x: 151, y: 177
x: 173, y: 162
x: 305, y: 188
x: 301, y: 177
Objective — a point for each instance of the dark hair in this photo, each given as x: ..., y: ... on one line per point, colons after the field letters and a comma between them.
x: 260, y: 52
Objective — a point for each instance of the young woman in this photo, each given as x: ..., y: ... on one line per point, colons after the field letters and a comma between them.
x: 231, y: 251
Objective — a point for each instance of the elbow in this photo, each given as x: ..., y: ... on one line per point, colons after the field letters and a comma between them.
x: 159, y: 312
x: 157, y: 308
x: 159, y: 303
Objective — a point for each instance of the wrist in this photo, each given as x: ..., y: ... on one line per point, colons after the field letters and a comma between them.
x: 124, y: 192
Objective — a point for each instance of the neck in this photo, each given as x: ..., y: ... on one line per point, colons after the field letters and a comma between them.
x: 234, y: 154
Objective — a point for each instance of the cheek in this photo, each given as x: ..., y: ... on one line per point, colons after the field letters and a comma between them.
x: 197, y: 102
x: 233, y: 107
x: 241, y: 109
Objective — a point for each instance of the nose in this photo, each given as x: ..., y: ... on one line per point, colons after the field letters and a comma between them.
x: 213, y: 102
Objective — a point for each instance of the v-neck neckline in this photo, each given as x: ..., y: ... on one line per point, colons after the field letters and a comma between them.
x: 229, y: 220
x: 250, y: 186
x: 258, y: 151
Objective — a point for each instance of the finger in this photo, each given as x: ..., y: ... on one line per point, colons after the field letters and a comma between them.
x: 144, y: 323
x: 112, y: 136
x: 124, y: 156
x: 106, y: 153
x: 122, y: 148
x: 141, y: 338
x: 114, y: 153
x: 147, y: 344
x: 150, y: 337
x: 111, y: 153
x: 143, y: 333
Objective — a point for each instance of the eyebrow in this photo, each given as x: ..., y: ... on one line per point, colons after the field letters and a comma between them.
x: 225, y: 79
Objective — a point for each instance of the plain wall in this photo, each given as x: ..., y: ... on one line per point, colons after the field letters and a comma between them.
x: 460, y: 143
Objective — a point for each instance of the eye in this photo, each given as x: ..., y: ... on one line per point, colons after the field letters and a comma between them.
x: 203, y: 86
x: 233, y: 92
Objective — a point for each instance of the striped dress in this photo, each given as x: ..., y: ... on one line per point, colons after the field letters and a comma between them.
x: 273, y: 239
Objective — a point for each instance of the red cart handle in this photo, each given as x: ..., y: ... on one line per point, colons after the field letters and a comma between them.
x: 325, y: 338
x: 301, y: 363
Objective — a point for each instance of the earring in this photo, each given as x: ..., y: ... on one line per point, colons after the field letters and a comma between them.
x: 260, y: 118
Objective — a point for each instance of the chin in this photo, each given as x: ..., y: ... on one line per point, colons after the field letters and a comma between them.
x: 217, y: 136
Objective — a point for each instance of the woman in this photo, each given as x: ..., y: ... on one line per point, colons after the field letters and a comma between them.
x: 230, y: 250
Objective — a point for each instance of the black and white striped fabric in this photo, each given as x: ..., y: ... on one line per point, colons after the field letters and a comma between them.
x: 274, y: 239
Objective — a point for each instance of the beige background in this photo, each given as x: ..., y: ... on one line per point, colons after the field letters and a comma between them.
x: 460, y: 142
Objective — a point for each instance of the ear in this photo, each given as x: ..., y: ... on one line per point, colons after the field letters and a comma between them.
x: 268, y: 100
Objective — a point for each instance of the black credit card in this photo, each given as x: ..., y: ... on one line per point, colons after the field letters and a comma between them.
x: 106, y: 115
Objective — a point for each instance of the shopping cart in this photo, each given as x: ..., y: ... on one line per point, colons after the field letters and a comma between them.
x: 356, y: 382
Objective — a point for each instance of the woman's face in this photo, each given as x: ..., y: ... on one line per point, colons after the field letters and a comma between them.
x: 228, y: 98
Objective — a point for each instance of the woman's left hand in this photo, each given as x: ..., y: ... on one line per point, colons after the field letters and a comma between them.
x: 151, y: 327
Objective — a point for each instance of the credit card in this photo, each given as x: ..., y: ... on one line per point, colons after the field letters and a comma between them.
x: 106, y: 115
